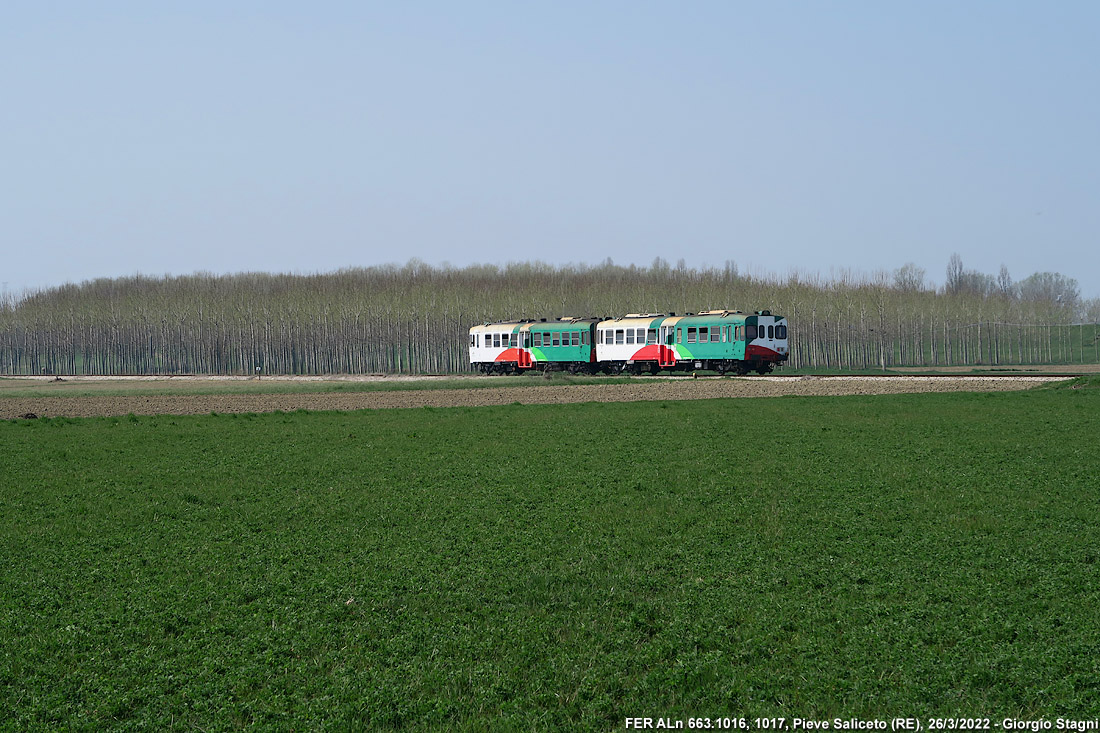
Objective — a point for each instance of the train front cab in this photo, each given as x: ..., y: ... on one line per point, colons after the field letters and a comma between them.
x: 766, y: 342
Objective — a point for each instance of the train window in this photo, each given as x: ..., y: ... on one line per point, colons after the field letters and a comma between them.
x: 609, y: 336
x: 679, y: 335
x: 691, y: 335
x: 513, y: 340
x: 630, y: 335
x: 771, y: 331
x: 576, y: 338
x: 619, y: 337
x: 725, y: 334
x: 584, y: 338
x: 750, y: 332
x: 651, y: 336
x: 781, y: 332
x: 714, y: 334
x: 704, y: 336
x: 496, y: 339
x: 557, y: 339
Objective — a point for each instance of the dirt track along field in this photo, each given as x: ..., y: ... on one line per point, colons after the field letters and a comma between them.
x: 643, y: 390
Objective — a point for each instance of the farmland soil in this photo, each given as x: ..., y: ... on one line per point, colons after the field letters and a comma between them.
x: 664, y: 389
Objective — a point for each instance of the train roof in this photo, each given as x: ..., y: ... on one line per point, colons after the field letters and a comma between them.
x: 635, y: 320
x: 529, y: 323
x: 652, y: 320
x: 729, y: 314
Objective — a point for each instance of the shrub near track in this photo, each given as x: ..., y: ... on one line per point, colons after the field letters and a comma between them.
x: 542, y: 567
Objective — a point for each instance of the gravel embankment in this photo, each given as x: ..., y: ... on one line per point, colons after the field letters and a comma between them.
x: 683, y: 389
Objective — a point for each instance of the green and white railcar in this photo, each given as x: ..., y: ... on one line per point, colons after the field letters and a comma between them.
x: 513, y: 347
x: 721, y: 340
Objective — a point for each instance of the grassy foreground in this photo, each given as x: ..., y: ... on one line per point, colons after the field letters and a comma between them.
x: 16, y: 387
x: 549, y: 567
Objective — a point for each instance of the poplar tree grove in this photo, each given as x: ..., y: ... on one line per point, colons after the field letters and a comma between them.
x: 414, y: 318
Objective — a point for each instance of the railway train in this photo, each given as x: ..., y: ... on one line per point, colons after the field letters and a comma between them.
x: 719, y: 340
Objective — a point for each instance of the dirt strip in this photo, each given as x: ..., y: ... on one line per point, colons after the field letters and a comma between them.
x: 686, y: 389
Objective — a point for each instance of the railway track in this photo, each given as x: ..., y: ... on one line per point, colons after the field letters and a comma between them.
x: 1004, y: 375
x: 478, y: 377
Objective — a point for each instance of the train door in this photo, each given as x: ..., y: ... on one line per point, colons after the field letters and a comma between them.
x: 666, y: 356
x: 523, y: 354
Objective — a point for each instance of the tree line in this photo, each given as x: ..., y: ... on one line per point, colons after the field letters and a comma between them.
x: 415, y: 317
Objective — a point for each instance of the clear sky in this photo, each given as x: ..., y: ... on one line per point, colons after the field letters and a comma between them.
x: 174, y: 137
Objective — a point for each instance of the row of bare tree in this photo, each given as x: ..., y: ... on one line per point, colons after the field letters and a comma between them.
x: 414, y: 318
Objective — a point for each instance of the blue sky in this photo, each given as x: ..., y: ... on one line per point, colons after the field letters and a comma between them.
x: 810, y: 136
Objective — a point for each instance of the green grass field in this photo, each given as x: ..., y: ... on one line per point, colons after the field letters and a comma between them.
x: 554, y: 567
x: 16, y: 387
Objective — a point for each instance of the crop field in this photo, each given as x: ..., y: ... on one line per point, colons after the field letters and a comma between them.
x: 540, y: 567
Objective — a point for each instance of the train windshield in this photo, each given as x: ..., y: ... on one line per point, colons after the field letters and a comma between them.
x: 750, y: 332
